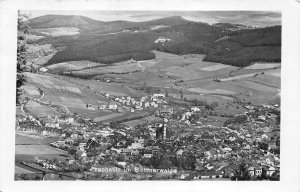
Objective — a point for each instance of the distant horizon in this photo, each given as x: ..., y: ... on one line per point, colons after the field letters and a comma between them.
x: 250, y: 18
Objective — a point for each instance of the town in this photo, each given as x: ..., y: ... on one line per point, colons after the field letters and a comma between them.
x: 172, y: 143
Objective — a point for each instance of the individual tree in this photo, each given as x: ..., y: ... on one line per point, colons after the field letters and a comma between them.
x: 278, y: 142
x: 145, y: 161
x: 23, y: 30
x: 181, y: 94
x: 242, y: 173
x: 214, y: 104
x: 165, y: 163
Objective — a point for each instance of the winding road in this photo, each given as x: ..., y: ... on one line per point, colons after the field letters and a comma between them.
x: 143, y: 68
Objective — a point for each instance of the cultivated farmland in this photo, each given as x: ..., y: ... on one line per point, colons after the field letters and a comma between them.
x: 72, y: 65
x: 59, y: 31
x: 263, y: 65
x: 39, y: 110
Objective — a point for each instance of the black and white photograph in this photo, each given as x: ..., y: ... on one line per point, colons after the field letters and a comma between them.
x: 138, y: 95
x: 148, y: 95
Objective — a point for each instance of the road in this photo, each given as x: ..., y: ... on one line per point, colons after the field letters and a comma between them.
x: 22, y: 108
x: 143, y: 68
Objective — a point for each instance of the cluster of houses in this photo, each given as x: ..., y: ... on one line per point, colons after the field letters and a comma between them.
x: 211, y: 150
x: 128, y: 103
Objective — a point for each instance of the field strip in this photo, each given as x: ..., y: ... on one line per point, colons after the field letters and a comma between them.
x: 264, y: 83
x: 37, y: 149
x: 103, y: 118
x: 216, y: 91
x: 276, y: 74
x: 238, y: 77
x: 215, y: 67
x: 29, y: 135
x: 263, y: 66
x: 20, y: 170
x: 257, y: 86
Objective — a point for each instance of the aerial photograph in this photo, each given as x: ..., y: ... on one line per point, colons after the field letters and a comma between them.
x: 148, y: 95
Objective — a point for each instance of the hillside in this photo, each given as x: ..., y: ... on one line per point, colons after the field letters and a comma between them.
x: 110, y: 42
x: 52, y: 21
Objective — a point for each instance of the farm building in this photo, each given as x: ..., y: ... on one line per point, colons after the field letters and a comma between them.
x: 43, y: 69
x: 112, y: 105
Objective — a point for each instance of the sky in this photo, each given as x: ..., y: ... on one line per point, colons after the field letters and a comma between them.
x: 253, y: 18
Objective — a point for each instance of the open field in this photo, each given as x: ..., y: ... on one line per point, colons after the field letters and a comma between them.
x: 20, y: 170
x: 150, y: 119
x: 58, y: 31
x: 110, y: 88
x: 31, y: 90
x: 162, y: 71
x: 139, y: 78
x: 37, y: 149
x: 26, y: 138
x: 65, y: 94
x: 72, y: 65
x: 44, y: 49
x: 263, y: 65
x: 39, y: 54
x: 192, y: 74
x: 72, y: 102
x: 32, y: 37
x: 216, y: 91
x: 215, y: 67
x: 238, y: 77
x: 40, y: 110
x: 108, y: 117
x: 128, y: 68
x: 90, y: 113
x: 44, y: 59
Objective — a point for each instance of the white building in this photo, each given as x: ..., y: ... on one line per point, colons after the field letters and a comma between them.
x: 43, y: 69
x: 113, y: 106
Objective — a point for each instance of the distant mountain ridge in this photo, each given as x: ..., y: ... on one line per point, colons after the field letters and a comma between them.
x: 114, y: 41
x: 52, y: 21
x: 82, y: 22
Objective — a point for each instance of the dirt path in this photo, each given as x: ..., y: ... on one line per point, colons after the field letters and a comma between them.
x: 143, y: 68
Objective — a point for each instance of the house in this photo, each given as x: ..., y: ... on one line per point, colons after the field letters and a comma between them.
x: 81, y: 146
x: 52, y: 124
x: 43, y: 69
x: 179, y: 152
x: 126, y: 151
x: 270, y: 171
x: 92, y: 143
x: 194, y: 109
x: 143, y: 99
x: 102, y: 106
x: 112, y: 105
x: 148, y: 154
x: 261, y: 118
x: 255, y: 171
x: 158, y: 96
x: 161, y: 40
x: 66, y: 119
x: 136, y: 145
x: 147, y: 104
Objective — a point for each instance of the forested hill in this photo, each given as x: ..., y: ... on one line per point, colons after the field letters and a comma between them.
x: 109, y: 42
